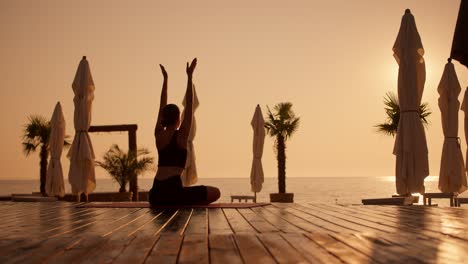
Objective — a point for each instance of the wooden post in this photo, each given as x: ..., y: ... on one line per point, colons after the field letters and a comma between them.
x: 132, y: 148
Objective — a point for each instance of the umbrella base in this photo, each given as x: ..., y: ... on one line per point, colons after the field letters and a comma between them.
x: 282, y: 197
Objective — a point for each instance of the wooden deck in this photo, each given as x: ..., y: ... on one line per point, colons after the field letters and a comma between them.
x: 59, y: 232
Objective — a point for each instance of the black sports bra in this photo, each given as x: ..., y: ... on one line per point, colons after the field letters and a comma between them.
x: 172, y: 155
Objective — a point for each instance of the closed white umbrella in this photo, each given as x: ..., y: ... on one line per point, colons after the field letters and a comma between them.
x: 190, y: 176
x: 81, y: 175
x: 452, y: 177
x: 464, y: 108
x: 54, y: 180
x: 256, y: 173
x: 410, y: 148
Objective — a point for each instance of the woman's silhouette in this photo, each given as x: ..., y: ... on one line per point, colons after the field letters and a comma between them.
x: 171, y: 142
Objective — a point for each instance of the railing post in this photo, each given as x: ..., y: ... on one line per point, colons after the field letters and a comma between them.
x: 132, y: 148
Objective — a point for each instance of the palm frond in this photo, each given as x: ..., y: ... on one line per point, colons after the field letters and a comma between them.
x: 282, y: 122
x: 29, y: 147
x: 35, y: 133
x: 425, y: 111
x: 387, y: 128
x: 392, y: 111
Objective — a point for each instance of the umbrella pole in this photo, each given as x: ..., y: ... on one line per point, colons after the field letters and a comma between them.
x: 255, y: 197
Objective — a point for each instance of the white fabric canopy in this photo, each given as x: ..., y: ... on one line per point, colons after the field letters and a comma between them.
x: 464, y: 108
x: 189, y: 175
x: 54, y: 180
x: 410, y: 148
x: 256, y: 174
x: 82, y: 175
x: 452, y: 176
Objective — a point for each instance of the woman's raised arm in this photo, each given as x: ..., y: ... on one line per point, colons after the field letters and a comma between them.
x: 158, y: 128
x: 184, y: 129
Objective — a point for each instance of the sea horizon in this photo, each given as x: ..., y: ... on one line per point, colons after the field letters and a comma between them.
x: 326, y: 190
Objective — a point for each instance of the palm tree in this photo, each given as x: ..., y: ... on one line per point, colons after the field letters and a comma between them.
x: 122, y: 166
x: 36, y: 134
x: 281, y: 125
x: 392, y: 109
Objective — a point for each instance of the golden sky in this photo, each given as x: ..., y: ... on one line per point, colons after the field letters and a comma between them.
x: 332, y: 59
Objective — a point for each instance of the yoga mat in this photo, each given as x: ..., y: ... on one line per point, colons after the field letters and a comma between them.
x: 147, y: 205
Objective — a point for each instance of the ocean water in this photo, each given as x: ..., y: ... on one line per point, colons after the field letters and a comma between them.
x: 342, y: 190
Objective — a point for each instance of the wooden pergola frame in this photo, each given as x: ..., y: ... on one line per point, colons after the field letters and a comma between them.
x: 132, y: 147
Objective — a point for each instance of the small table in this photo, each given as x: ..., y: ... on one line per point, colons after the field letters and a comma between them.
x: 430, y: 196
x: 243, y: 197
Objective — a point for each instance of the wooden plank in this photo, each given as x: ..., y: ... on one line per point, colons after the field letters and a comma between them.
x: 410, y: 238
x: 179, y: 222
x: 72, y: 252
x: 350, y: 225
x: 418, y: 247
x: 25, y: 210
x: 364, y: 213
x: 145, y: 239
x: 359, y: 213
x: 315, y: 223
x: 25, y: 250
x: 223, y: 249
x: 278, y: 222
x: 430, y: 223
x: 138, y: 250
x: 451, y: 251
x: 35, y: 227
x: 378, y: 250
x: 257, y: 222
x: 310, y: 250
x: 218, y: 223
x: 281, y: 250
x: 194, y: 249
x: 198, y: 222
x: 118, y: 239
x: 83, y: 241
x: 252, y: 250
x: 73, y: 222
x: 338, y: 249
x: 237, y: 222
x: 28, y: 212
x: 32, y: 243
x: 307, y: 226
x: 366, y: 223
x: 166, y: 249
x: 77, y: 228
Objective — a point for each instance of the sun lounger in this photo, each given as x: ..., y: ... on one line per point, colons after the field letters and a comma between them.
x: 427, y: 197
x: 31, y: 198
x: 246, y: 198
x: 460, y: 200
x: 401, y: 200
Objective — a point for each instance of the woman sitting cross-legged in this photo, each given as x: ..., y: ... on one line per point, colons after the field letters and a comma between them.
x: 171, y: 142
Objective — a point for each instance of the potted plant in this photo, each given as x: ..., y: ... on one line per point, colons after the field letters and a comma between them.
x: 121, y: 165
x: 281, y: 125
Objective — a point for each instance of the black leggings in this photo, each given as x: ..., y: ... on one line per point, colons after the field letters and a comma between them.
x: 171, y: 191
